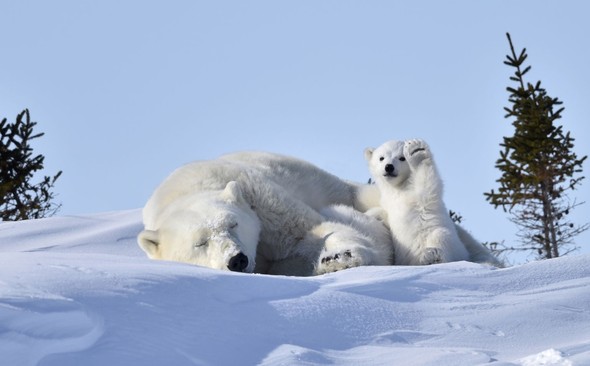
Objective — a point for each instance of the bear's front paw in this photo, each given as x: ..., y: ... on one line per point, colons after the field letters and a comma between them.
x: 415, y: 151
x: 431, y: 256
x: 335, y: 261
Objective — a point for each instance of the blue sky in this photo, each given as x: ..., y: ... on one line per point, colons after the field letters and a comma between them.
x: 126, y: 91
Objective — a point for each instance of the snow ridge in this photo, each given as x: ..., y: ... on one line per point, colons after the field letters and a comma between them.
x: 78, y: 290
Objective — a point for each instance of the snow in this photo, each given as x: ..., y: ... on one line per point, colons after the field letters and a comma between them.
x: 79, y: 291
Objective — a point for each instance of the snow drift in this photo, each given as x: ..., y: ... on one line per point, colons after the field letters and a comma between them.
x: 79, y: 291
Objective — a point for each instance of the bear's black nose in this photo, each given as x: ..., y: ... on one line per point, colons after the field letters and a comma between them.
x: 238, y: 263
x: 389, y: 168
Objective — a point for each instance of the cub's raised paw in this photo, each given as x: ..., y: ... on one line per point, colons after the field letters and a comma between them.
x: 431, y: 256
x: 416, y: 150
x: 336, y: 261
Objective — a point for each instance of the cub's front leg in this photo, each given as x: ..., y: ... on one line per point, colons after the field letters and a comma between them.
x: 427, y: 182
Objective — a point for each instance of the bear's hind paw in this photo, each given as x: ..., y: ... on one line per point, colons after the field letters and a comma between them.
x: 431, y: 256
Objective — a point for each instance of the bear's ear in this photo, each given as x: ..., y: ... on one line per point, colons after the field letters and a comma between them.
x: 232, y: 192
x: 369, y: 153
x: 148, y: 241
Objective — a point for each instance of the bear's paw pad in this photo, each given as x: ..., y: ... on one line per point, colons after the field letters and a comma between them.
x: 332, y: 262
x: 416, y: 150
x: 336, y: 257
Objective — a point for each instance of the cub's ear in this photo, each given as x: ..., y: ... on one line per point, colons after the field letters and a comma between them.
x: 369, y: 153
x: 232, y: 192
x: 148, y: 241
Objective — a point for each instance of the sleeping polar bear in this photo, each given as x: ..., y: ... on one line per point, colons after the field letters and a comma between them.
x: 265, y: 213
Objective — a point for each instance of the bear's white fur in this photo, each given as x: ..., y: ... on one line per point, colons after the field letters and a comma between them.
x: 260, y: 212
x: 411, y: 196
x: 355, y: 239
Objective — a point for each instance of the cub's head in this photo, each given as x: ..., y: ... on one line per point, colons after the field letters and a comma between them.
x: 387, y: 163
x: 216, y: 229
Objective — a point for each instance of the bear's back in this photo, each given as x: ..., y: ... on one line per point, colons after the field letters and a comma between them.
x: 305, y: 181
x: 297, y: 178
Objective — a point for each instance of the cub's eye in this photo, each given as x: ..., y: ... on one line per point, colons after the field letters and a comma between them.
x: 402, y: 159
x: 234, y: 225
x: 381, y: 158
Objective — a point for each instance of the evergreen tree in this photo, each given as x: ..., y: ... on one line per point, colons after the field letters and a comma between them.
x: 538, y: 167
x: 19, y: 198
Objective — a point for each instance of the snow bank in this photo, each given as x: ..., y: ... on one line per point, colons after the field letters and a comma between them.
x: 78, y: 291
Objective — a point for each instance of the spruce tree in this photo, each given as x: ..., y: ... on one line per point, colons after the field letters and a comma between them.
x: 20, y: 198
x: 538, y: 167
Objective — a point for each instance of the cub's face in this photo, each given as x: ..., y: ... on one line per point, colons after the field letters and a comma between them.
x: 216, y: 230
x: 387, y: 163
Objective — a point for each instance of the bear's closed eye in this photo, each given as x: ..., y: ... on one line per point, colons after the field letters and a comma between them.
x: 201, y: 243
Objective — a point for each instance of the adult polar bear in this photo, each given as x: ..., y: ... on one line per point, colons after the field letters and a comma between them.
x: 411, y: 192
x: 260, y: 212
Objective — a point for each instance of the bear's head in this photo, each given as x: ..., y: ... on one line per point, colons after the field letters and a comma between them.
x: 216, y: 229
x: 387, y: 163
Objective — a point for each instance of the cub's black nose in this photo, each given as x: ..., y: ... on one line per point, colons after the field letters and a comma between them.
x: 238, y: 263
x: 389, y: 168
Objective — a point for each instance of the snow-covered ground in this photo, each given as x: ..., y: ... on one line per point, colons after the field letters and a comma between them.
x: 78, y: 291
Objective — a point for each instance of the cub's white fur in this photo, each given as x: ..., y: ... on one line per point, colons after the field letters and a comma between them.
x: 412, y: 199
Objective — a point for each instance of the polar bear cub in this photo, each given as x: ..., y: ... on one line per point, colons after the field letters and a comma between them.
x: 411, y: 196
